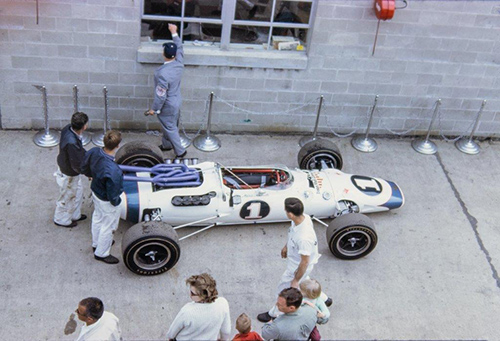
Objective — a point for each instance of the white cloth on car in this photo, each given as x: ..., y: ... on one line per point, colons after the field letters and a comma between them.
x: 105, y: 221
x: 69, y: 203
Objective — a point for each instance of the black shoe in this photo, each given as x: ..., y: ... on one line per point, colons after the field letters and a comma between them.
x: 182, y: 155
x: 108, y: 260
x: 264, y: 317
x: 328, y: 301
x: 94, y: 248
x: 82, y: 217
x: 164, y: 149
x: 73, y: 224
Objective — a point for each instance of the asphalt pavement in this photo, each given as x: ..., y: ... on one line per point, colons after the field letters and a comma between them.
x: 433, y: 275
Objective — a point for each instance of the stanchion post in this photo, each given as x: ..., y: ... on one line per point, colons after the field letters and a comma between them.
x: 75, y: 98
x: 468, y: 146
x: 86, y: 138
x: 185, y: 140
x: 207, y: 142
x: 426, y: 146
x: 366, y: 144
x: 98, y: 139
x: 46, y: 138
x: 306, y: 139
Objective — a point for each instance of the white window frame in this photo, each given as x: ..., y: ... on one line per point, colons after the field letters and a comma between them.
x: 227, y: 21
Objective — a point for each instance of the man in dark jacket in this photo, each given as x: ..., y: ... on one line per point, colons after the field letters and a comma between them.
x: 69, y: 160
x: 107, y: 186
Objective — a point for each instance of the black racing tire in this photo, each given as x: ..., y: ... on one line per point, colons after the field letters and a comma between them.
x: 312, y: 153
x: 343, y: 229
x: 139, y: 153
x: 150, y: 248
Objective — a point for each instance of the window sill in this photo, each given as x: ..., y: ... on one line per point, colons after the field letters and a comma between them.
x: 244, y: 57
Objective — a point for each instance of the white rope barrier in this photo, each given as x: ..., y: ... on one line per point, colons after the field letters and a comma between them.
x: 330, y: 126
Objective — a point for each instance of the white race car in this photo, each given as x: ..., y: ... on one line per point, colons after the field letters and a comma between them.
x: 163, y: 197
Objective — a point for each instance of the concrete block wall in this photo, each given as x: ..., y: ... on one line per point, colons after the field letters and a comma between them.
x: 430, y: 50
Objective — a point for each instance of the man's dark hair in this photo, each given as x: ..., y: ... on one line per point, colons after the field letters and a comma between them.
x: 94, y: 307
x: 112, y: 139
x: 79, y: 120
x: 294, y: 206
x: 293, y: 297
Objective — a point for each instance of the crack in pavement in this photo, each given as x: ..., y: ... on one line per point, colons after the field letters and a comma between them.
x: 472, y: 220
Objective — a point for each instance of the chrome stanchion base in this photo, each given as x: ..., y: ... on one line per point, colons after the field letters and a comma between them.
x: 306, y: 139
x: 467, y: 146
x: 98, y: 139
x: 44, y: 140
x: 86, y: 138
x: 206, y: 143
x: 365, y: 145
x: 424, y: 147
x: 185, y: 141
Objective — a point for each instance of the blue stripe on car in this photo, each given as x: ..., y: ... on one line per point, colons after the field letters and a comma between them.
x: 396, y: 199
x: 131, y: 189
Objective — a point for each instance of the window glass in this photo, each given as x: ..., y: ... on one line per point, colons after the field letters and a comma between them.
x: 163, y: 7
x: 253, y: 10
x: 205, y: 32
x: 249, y: 35
x: 192, y: 31
x: 292, y: 12
x: 203, y: 9
x: 205, y: 21
x: 192, y: 8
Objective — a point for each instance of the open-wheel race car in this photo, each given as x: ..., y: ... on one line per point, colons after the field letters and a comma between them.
x: 162, y: 197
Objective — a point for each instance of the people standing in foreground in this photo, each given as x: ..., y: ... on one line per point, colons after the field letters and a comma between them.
x: 206, y: 317
x: 69, y: 161
x: 296, y: 321
x: 99, y: 325
x: 244, y: 327
x: 301, y: 252
x: 107, y: 186
x: 168, y: 100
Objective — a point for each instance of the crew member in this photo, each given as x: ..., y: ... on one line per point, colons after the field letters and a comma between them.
x: 167, y: 101
x: 301, y: 252
x: 69, y: 160
x: 107, y: 186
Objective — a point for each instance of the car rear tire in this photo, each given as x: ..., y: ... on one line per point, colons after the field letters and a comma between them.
x: 351, y: 236
x: 313, y: 153
x: 150, y: 248
x: 139, y: 153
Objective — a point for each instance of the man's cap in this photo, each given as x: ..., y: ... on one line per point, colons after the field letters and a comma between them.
x: 169, y: 50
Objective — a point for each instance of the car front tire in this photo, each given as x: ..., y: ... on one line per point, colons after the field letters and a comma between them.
x: 318, y: 152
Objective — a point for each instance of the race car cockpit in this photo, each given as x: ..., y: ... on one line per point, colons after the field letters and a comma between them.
x: 252, y: 178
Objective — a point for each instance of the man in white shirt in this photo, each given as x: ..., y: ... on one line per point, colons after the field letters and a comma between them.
x: 99, y: 324
x: 301, y: 251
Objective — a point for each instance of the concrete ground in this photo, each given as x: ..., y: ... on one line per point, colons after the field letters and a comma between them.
x: 433, y: 276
